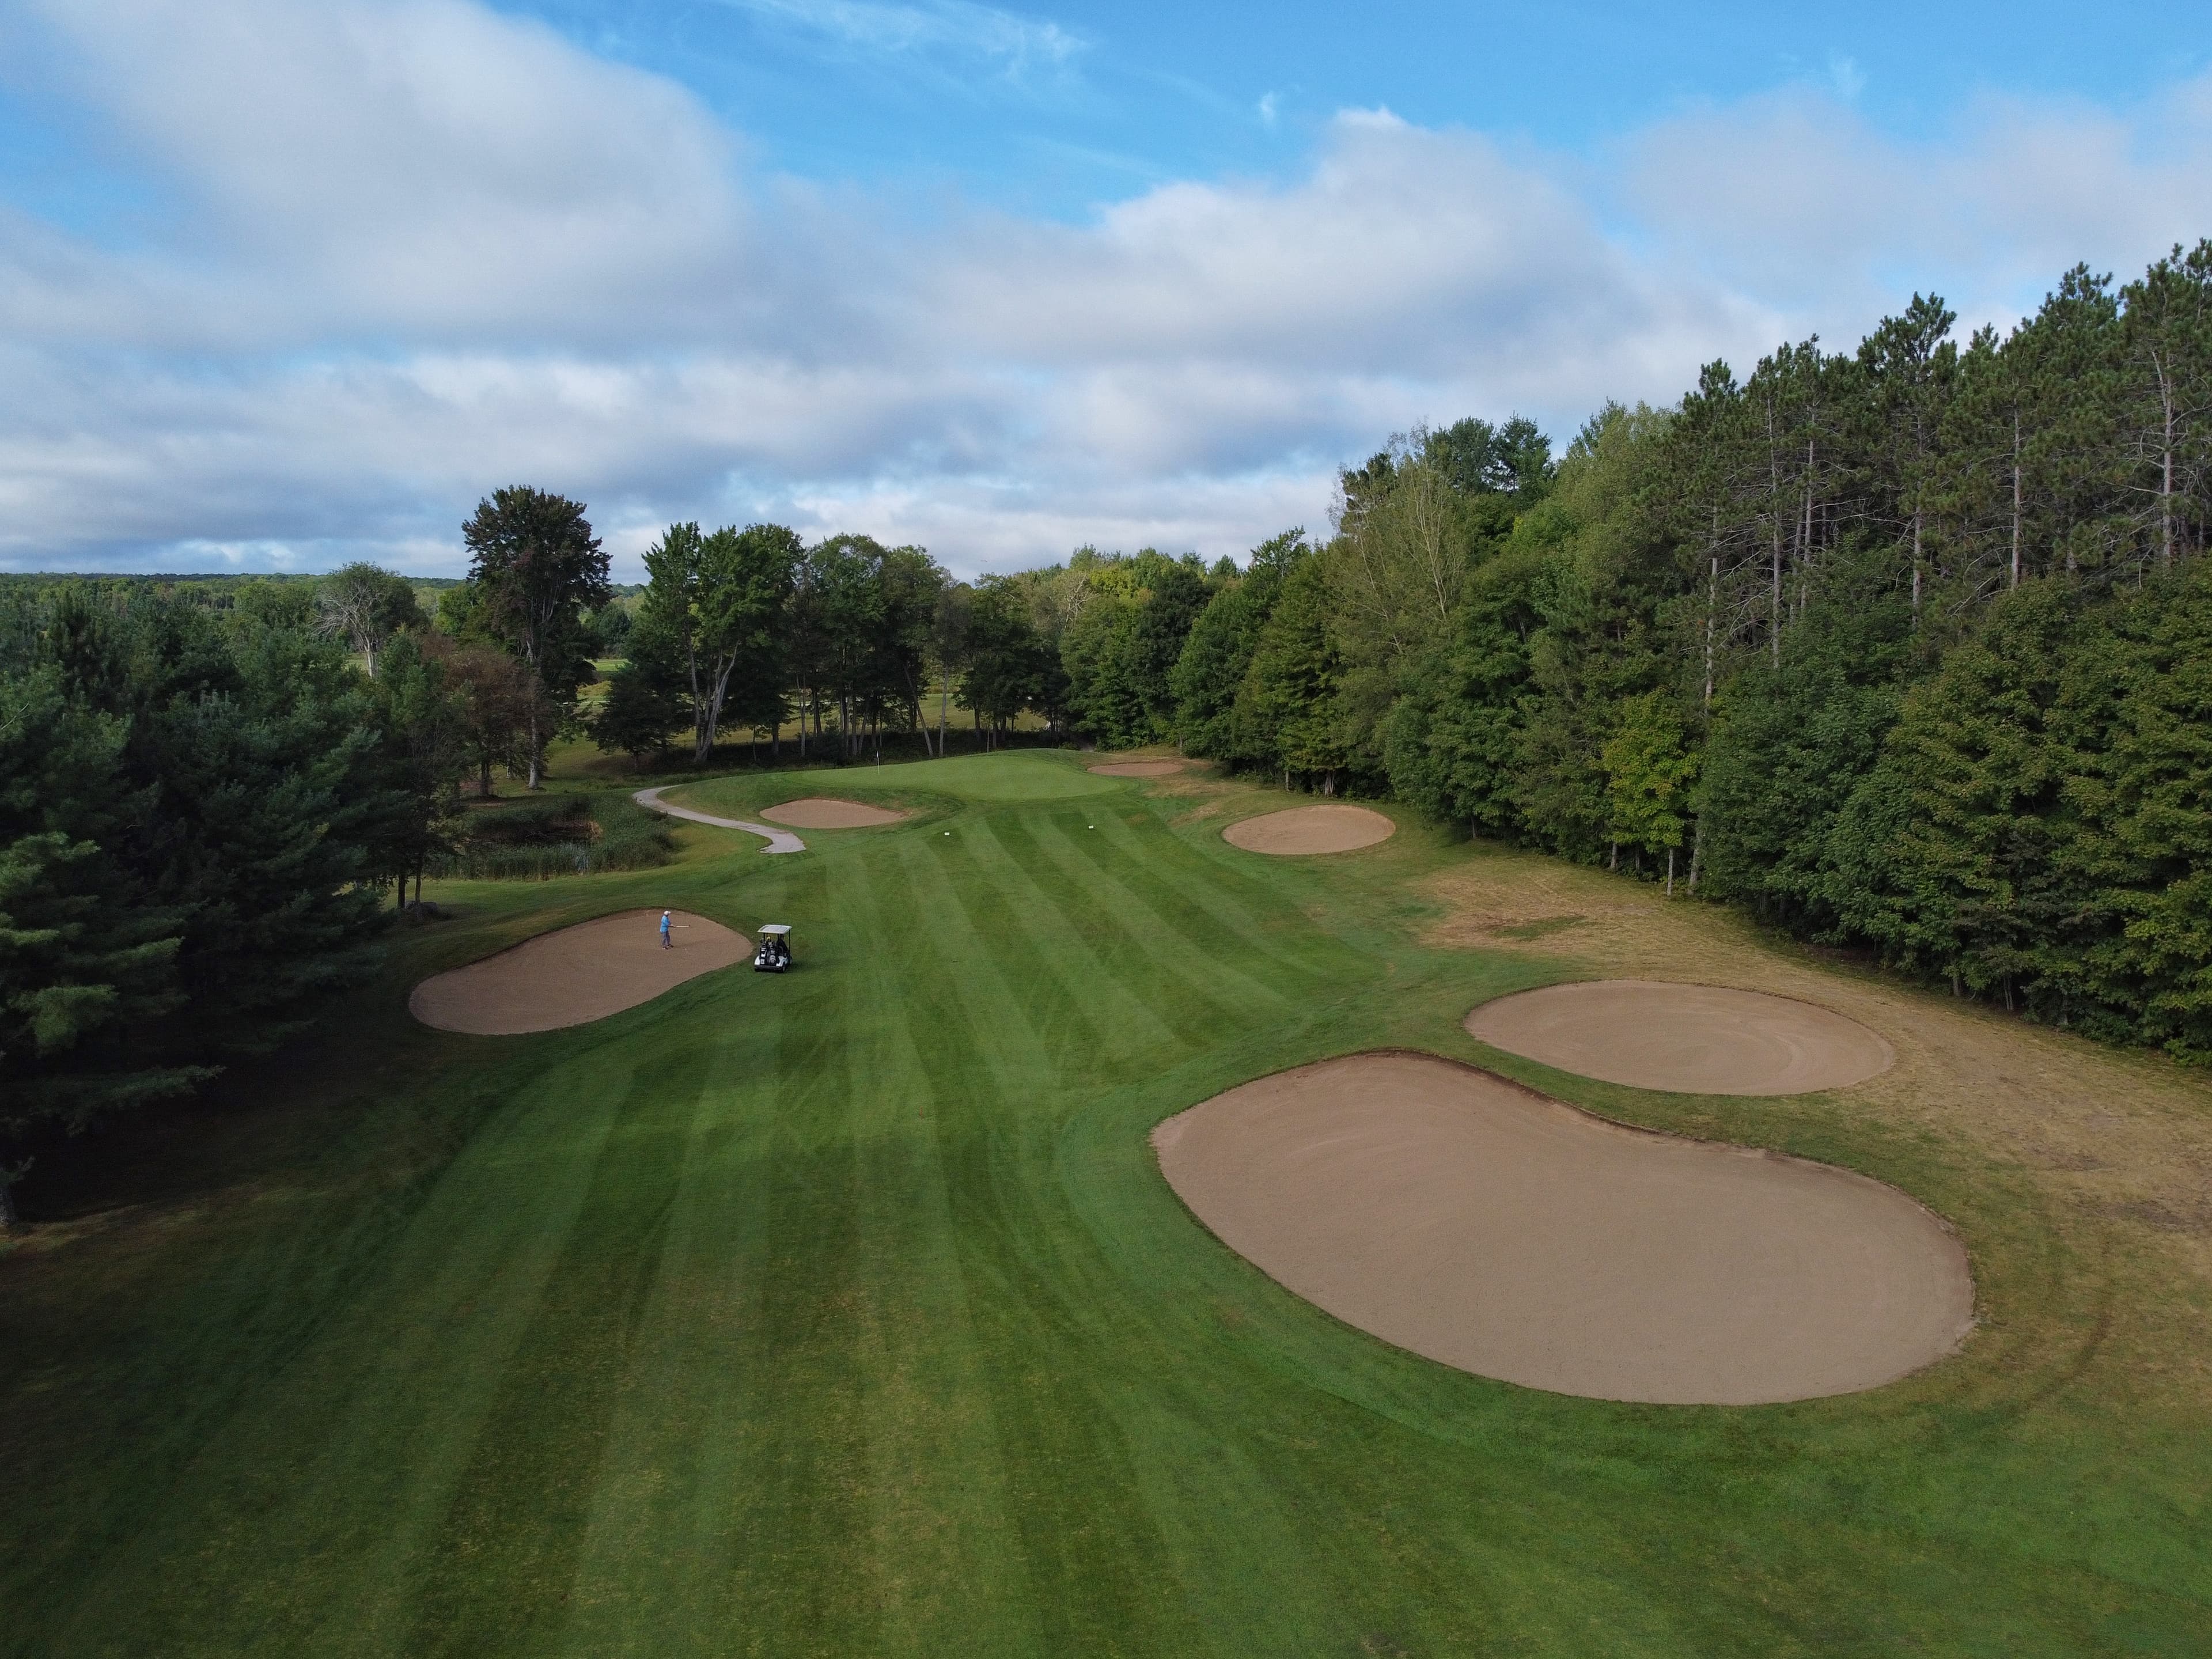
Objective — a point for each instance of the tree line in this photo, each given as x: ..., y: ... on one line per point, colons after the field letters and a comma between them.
x: 207, y: 791
x: 1903, y: 647
x: 1896, y: 646
x: 213, y: 794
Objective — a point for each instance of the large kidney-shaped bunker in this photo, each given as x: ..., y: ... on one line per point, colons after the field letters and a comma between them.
x: 1470, y: 1220
x: 1687, y: 1039
x: 576, y: 974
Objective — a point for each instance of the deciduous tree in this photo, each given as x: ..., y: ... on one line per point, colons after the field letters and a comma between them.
x: 365, y: 606
x: 537, y: 568
x: 723, y: 598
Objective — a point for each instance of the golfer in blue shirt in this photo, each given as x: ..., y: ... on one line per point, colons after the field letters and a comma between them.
x: 664, y: 944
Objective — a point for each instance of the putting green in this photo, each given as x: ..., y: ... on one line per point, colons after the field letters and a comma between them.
x: 1017, y: 776
x: 848, y: 1313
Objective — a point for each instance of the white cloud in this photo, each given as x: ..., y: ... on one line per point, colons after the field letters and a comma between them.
x: 1800, y: 199
x: 1401, y: 251
x: 409, y: 251
x: 358, y: 168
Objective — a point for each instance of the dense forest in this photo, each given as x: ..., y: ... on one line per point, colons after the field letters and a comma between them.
x: 1905, y: 648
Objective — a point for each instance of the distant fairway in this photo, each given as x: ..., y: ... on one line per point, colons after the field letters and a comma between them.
x: 848, y: 1313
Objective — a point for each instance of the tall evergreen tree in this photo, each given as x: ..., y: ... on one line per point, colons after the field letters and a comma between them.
x: 1288, y: 717
x: 2165, y: 346
x: 1218, y: 651
x: 1911, y: 367
x: 87, y: 958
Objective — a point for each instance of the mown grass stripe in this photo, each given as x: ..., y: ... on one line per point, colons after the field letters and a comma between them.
x: 1097, y: 1576
x: 942, y: 1548
x: 383, y: 1402
x: 1036, y: 956
x: 668, y: 1480
x: 548, y: 1428
x: 922, y: 1356
x: 1256, y: 926
x: 1182, y: 927
x: 1152, y: 964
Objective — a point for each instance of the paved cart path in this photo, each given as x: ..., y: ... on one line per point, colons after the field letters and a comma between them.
x: 778, y: 840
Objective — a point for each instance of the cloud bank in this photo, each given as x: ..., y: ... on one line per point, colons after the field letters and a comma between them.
x: 388, y: 256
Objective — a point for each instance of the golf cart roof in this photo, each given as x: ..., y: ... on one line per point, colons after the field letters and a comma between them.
x: 776, y: 927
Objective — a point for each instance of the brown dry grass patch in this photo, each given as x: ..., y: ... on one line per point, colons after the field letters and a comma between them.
x: 2116, y: 1143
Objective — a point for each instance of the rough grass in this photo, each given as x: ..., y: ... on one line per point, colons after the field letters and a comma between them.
x: 539, y: 840
x: 846, y: 1312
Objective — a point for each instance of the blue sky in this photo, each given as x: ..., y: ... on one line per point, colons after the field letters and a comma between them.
x: 1054, y: 110
x: 284, y: 283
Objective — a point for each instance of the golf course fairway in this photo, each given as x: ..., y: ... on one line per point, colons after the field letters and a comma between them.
x: 848, y: 1312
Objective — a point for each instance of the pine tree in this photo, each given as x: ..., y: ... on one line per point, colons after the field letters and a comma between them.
x: 1287, y: 717
x: 2165, y: 348
x: 1455, y: 736
x: 2145, y: 783
x: 1958, y: 854
x: 1910, y: 369
x: 87, y: 960
x: 1788, y: 745
x: 1218, y: 652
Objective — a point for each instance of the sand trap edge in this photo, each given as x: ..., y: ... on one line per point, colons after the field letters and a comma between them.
x: 1164, y: 1133
x: 833, y: 812
x: 1245, y: 834
x: 732, y: 947
x: 1618, y: 1074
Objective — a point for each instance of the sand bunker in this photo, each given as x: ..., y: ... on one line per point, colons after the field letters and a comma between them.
x: 1139, y: 768
x: 1457, y: 1215
x: 819, y: 812
x: 581, y: 973
x: 1691, y: 1039
x: 1310, y: 830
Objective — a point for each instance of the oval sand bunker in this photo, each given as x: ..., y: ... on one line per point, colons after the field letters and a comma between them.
x: 577, y: 974
x: 1690, y: 1039
x: 819, y: 812
x: 1474, y: 1222
x: 1310, y: 830
x: 1139, y: 768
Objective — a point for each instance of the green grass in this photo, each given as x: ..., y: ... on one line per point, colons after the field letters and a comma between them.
x: 1014, y: 776
x: 846, y: 1313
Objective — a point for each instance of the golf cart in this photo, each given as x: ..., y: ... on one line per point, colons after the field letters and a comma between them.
x: 774, y: 954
